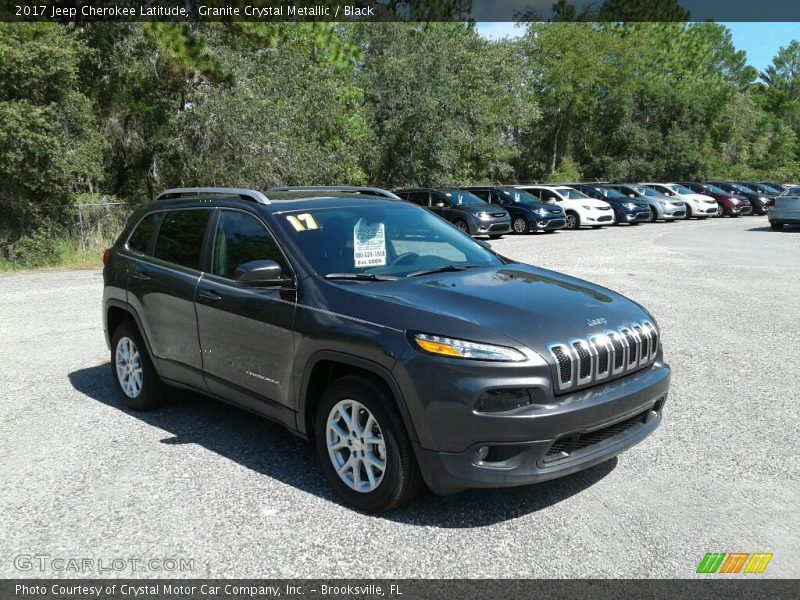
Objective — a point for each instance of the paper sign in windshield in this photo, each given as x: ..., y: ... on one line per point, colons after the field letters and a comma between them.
x: 369, y: 244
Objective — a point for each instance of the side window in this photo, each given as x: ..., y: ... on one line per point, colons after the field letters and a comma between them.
x: 241, y: 238
x: 499, y: 198
x: 141, y: 236
x: 484, y: 195
x: 440, y: 200
x: 420, y: 198
x: 535, y: 193
x: 180, y: 239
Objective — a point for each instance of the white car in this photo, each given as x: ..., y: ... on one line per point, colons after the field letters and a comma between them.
x: 580, y: 209
x: 697, y: 205
x: 786, y: 210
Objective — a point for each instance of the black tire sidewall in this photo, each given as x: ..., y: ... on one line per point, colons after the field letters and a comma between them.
x: 393, y: 489
x: 150, y: 395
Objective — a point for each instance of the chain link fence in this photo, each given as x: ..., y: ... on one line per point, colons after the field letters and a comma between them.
x: 68, y: 233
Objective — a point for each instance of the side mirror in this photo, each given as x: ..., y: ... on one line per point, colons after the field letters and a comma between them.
x: 261, y: 273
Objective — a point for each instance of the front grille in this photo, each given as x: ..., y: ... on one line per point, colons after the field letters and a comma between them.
x: 566, y: 445
x: 582, y: 362
x: 643, y: 216
x: 498, y: 214
x: 556, y: 223
x: 746, y: 210
x: 680, y: 213
x: 605, y: 218
x: 499, y: 227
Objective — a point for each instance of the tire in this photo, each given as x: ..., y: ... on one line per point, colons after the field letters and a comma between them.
x: 653, y: 215
x: 573, y: 221
x: 130, y: 363
x: 461, y: 225
x: 519, y: 225
x: 689, y: 214
x: 776, y: 226
x: 720, y: 211
x: 400, y: 480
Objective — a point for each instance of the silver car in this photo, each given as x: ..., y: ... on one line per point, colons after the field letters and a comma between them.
x: 786, y: 210
x: 662, y: 208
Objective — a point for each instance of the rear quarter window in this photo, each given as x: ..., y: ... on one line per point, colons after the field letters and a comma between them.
x: 180, y: 239
x: 139, y: 241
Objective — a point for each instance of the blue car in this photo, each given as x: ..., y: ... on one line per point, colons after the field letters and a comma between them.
x: 527, y: 212
x: 627, y: 210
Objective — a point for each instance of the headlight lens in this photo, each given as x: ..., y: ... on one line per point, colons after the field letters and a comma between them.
x: 587, y: 207
x: 630, y: 205
x: 454, y: 348
x: 482, y: 215
x: 541, y: 211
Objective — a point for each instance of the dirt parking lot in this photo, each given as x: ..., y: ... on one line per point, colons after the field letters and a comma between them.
x: 240, y: 497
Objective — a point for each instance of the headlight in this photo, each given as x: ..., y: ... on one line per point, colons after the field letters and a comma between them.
x: 482, y: 215
x: 445, y: 346
x: 541, y: 211
x: 587, y: 207
x: 629, y: 205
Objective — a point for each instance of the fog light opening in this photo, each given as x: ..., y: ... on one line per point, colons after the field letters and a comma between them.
x: 502, y: 399
x: 481, y: 454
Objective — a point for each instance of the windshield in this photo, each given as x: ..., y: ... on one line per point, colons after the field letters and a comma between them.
x: 462, y: 197
x: 611, y: 193
x: 643, y: 189
x: 741, y: 188
x: 571, y: 194
x: 392, y: 241
x: 714, y: 189
x: 770, y: 188
x: 792, y: 191
x: 679, y: 189
x: 520, y: 197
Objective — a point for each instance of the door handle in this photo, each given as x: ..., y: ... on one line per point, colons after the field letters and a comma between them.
x: 140, y: 275
x: 209, y: 295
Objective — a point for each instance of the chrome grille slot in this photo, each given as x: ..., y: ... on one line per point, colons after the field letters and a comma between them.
x: 633, y: 347
x: 618, y: 364
x: 581, y: 362
x: 644, y: 352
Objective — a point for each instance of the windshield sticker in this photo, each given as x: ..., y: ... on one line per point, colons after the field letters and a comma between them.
x: 302, y: 222
x: 369, y: 244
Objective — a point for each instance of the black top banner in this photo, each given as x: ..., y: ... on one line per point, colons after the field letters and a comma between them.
x: 399, y: 10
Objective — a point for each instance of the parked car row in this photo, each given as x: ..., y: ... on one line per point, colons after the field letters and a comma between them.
x: 495, y: 210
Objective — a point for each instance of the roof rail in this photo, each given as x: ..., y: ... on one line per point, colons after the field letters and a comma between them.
x: 244, y: 194
x: 351, y: 189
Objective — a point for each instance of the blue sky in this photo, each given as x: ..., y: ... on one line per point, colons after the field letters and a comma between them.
x: 760, y: 41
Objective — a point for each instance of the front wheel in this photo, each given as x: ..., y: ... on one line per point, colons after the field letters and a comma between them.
x: 688, y: 212
x: 653, y: 215
x: 135, y: 378
x: 363, y: 446
x: 720, y: 211
x: 573, y: 222
x: 519, y: 225
x: 461, y: 225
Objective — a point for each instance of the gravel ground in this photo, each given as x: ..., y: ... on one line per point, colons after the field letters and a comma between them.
x: 241, y: 497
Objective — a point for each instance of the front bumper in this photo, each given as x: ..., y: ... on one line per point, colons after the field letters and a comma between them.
x: 599, y: 218
x: 491, y: 226
x: 548, y: 224
x: 572, y: 432
x: 635, y: 217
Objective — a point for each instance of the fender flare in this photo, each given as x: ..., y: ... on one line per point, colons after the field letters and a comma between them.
x: 361, y: 363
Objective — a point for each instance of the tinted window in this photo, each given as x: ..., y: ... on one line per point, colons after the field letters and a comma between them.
x: 140, y: 238
x: 420, y: 198
x: 180, y: 239
x: 241, y: 238
x: 482, y: 194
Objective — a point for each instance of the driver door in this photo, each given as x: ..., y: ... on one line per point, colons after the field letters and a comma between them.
x: 245, y: 332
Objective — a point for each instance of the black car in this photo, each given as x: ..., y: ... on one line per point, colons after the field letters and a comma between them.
x: 758, y: 201
x: 404, y: 349
x: 627, y: 210
x: 527, y: 213
x: 464, y: 210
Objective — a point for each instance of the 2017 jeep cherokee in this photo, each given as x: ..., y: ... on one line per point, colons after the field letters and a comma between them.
x: 404, y: 349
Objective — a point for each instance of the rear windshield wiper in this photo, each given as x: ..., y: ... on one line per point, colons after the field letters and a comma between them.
x: 444, y: 269
x: 360, y: 277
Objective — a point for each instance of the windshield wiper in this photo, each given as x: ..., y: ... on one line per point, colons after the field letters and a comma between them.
x: 360, y: 277
x: 444, y: 269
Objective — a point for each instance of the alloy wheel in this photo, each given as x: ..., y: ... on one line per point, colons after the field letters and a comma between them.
x: 356, y: 446
x: 129, y: 367
x: 520, y: 225
x: 462, y: 226
x: 572, y: 221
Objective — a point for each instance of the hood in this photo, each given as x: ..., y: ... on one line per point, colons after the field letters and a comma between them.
x: 585, y: 202
x: 520, y: 302
x: 702, y: 197
x: 492, y: 209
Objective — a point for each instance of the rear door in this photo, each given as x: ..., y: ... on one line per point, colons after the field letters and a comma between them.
x: 246, y: 332
x: 161, y: 290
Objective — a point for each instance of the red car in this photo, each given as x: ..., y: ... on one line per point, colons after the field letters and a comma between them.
x: 729, y: 204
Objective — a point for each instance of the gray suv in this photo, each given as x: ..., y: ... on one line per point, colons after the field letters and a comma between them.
x: 463, y: 209
x: 406, y: 351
